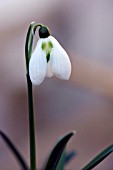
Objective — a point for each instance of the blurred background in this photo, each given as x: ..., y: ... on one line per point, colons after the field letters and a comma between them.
x: 85, y: 103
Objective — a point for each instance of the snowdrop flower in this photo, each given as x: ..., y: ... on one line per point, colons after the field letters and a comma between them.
x: 48, y: 59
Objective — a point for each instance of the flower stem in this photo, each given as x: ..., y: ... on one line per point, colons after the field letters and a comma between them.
x: 28, y: 50
x: 31, y: 125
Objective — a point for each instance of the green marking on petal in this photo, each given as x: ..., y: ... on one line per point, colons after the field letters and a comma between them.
x: 43, y: 46
x: 48, y: 57
x: 47, y: 48
x: 50, y: 44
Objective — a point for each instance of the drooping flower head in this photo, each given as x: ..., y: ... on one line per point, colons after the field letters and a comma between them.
x: 48, y: 59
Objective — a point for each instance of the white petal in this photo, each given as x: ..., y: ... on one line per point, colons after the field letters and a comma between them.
x: 49, y: 72
x: 38, y: 64
x: 59, y: 60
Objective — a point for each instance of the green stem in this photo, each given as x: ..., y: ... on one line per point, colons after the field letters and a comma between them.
x: 28, y: 50
x: 31, y: 125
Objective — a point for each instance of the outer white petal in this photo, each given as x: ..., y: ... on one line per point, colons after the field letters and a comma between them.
x: 59, y: 60
x: 38, y: 64
x: 49, y: 72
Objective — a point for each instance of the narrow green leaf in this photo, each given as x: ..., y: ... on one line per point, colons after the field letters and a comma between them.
x: 14, y: 150
x: 57, y: 151
x: 70, y: 156
x: 61, y: 163
x: 65, y: 159
x: 99, y: 158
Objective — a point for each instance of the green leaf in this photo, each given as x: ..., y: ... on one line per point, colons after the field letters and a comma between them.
x: 99, y: 158
x: 70, y: 156
x: 14, y: 151
x: 61, y: 163
x: 57, y: 152
x: 65, y: 159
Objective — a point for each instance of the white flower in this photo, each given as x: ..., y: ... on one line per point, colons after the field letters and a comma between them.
x: 48, y: 59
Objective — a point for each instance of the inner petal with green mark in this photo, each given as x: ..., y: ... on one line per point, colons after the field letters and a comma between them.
x: 47, y: 48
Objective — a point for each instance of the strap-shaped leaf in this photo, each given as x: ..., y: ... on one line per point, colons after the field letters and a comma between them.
x: 14, y: 150
x: 99, y: 158
x: 70, y: 156
x: 57, y: 151
x: 61, y: 164
x: 65, y: 159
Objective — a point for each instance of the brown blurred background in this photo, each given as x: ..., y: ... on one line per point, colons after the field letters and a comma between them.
x: 85, y: 103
